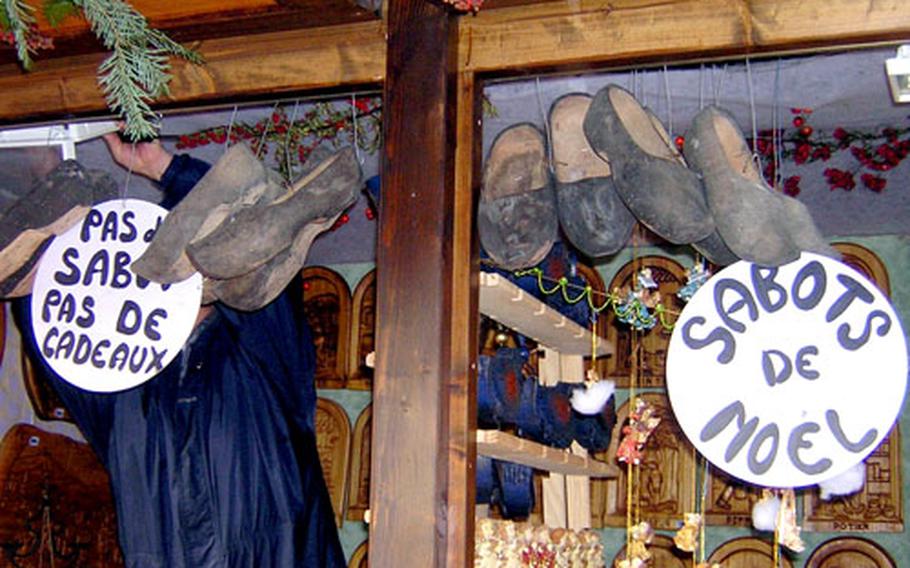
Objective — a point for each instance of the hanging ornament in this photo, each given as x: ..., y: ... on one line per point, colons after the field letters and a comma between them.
x: 634, y: 307
x: 638, y: 555
x: 686, y: 538
x: 642, y: 422
x: 695, y: 277
x: 787, y: 529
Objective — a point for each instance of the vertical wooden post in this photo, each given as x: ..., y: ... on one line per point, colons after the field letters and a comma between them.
x: 423, y: 452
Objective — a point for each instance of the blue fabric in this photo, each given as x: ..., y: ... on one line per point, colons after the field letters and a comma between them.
x: 213, y: 462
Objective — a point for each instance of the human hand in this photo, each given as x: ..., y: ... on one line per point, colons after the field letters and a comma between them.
x: 148, y: 159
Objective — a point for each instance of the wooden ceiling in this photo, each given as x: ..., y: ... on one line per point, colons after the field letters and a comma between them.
x: 269, y: 48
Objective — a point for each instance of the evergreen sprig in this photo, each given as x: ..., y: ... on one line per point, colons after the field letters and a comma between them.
x: 136, y: 72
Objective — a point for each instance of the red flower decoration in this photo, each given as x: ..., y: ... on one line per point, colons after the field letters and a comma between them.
x: 802, y: 153
x: 873, y: 182
x: 840, y: 179
x: 791, y: 186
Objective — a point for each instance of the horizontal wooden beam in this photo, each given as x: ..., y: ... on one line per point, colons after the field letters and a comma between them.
x: 590, y: 33
x: 236, y: 68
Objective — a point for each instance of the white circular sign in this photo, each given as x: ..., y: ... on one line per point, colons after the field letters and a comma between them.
x: 98, y: 325
x: 789, y: 376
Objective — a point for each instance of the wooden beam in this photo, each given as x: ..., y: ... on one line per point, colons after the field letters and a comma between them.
x: 421, y: 491
x: 253, y: 66
x: 590, y: 33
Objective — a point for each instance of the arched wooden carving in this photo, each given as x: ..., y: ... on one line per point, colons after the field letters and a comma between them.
x: 663, y: 554
x: 729, y: 501
x: 850, y: 551
x: 363, y: 333
x: 598, y: 297
x: 666, y: 474
x: 747, y: 552
x: 333, y: 440
x: 879, y: 506
x: 359, y: 484
x: 41, y: 394
x: 670, y: 277
x: 876, y: 508
x: 327, y: 307
x: 360, y: 557
x: 54, y: 496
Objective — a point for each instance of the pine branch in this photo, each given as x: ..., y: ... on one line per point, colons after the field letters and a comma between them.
x: 58, y: 10
x: 18, y: 17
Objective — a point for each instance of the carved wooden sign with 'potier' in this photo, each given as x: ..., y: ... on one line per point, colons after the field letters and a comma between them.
x: 670, y: 276
x: 56, y: 507
x: 333, y: 440
x: 327, y: 308
x: 663, y: 489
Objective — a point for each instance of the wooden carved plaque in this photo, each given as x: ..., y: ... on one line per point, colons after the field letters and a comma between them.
x: 879, y: 506
x: 359, y: 483
x: 665, y: 478
x: 327, y: 307
x: 363, y: 333
x: 56, y: 507
x: 747, y: 552
x: 876, y: 508
x: 360, y: 557
x: 670, y: 277
x: 333, y: 440
x: 41, y: 394
x: 729, y: 501
x: 664, y: 554
x: 850, y: 551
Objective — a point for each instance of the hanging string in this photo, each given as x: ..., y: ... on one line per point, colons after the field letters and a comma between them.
x: 776, y: 133
x: 227, y: 137
x: 752, y: 112
x: 703, y: 499
x: 287, y: 139
x: 669, y: 103
x: 701, y: 86
x: 354, y: 127
x: 546, y: 125
x: 129, y: 172
x: 265, y: 131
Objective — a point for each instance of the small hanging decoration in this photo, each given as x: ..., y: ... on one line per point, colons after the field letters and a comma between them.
x: 638, y: 555
x: 686, y: 538
x: 695, y: 277
x: 630, y: 306
x: 643, y: 420
x: 472, y: 6
x: 787, y: 529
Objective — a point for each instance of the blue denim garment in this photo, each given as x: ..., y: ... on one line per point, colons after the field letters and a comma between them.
x: 213, y: 462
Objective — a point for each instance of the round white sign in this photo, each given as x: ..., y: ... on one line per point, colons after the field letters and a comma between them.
x: 98, y: 325
x: 789, y: 376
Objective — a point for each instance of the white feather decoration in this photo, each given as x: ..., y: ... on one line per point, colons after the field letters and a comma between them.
x: 592, y: 398
x: 764, y: 513
x: 846, y: 483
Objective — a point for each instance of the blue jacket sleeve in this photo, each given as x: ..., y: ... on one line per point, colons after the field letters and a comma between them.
x: 179, y: 178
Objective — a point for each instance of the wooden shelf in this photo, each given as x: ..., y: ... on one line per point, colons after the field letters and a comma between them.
x: 507, y: 447
x: 511, y: 306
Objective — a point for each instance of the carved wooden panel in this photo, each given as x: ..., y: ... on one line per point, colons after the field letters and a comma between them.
x: 360, y: 556
x: 729, y: 501
x: 327, y: 307
x: 850, y: 551
x: 747, y: 552
x: 877, y: 508
x: 867, y: 263
x: 333, y: 440
x: 41, y: 394
x: 359, y: 482
x: 664, y: 554
x: 670, y: 277
x: 665, y: 479
x: 56, y: 507
x: 363, y: 333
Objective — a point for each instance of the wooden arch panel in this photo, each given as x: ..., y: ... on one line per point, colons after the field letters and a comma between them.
x: 850, y: 551
x: 359, y: 483
x: 867, y: 263
x: 747, y: 552
x: 363, y: 333
x: 54, y: 491
x: 663, y: 554
x: 42, y: 396
x: 360, y: 557
x: 670, y: 277
x: 327, y: 308
x: 665, y: 478
x: 333, y: 441
x: 598, y: 296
